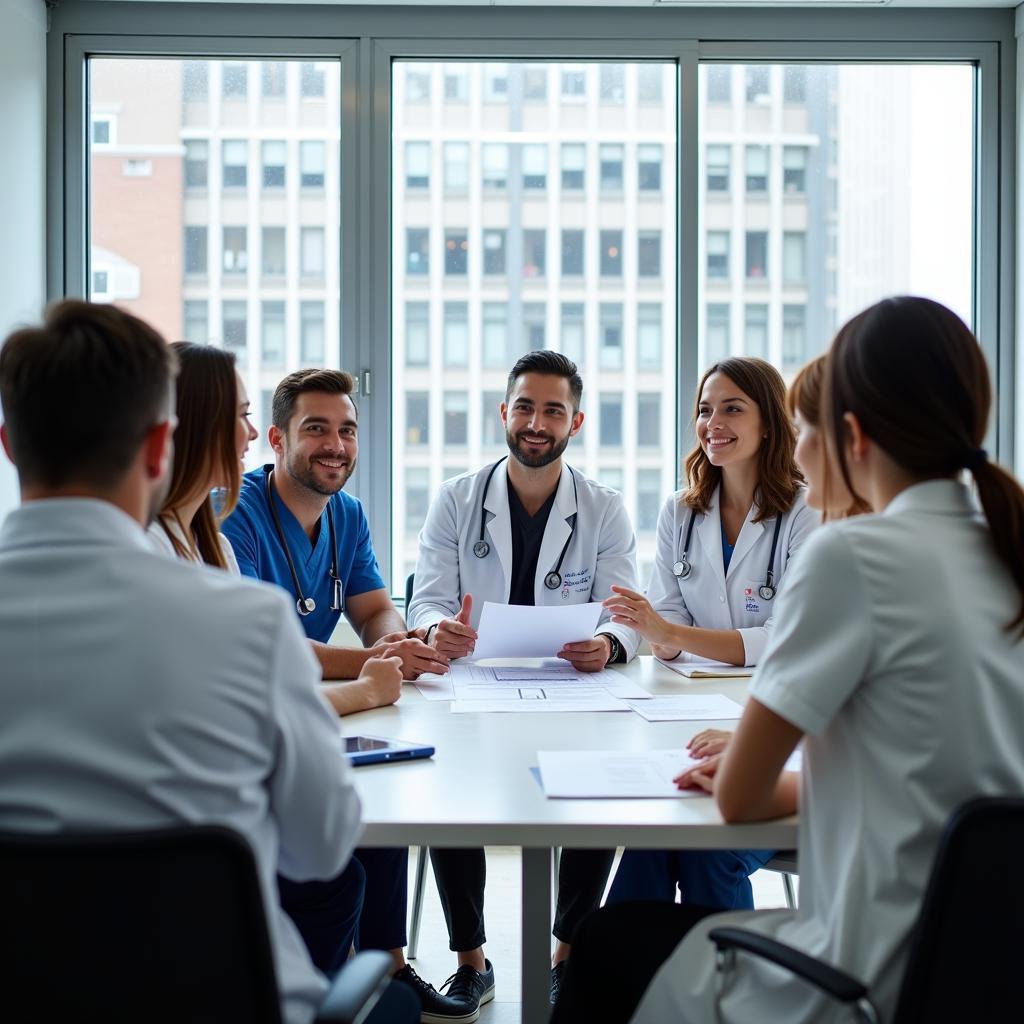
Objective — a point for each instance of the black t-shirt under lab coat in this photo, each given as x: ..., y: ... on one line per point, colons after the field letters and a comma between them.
x: 527, y: 536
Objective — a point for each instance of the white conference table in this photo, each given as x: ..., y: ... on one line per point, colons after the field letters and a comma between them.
x: 478, y: 790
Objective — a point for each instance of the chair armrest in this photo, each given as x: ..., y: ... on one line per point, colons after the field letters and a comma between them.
x: 836, y: 983
x: 356, y: 988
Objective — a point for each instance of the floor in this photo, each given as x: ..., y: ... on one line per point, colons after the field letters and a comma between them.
x: 435, y: 962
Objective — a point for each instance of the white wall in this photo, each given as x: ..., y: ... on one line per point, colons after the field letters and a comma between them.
x: 22, y: 179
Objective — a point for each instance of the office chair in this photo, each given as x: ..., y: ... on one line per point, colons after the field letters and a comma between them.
x: 159, y: 926
x: 785, y: 863
x: 964, y: 961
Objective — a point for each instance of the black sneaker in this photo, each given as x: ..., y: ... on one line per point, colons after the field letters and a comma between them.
x: 471, y: 988
x: 557, y: 973
x: 434, y: 1007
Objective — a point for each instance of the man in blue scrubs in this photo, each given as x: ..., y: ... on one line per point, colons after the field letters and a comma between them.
x: 294, y: 526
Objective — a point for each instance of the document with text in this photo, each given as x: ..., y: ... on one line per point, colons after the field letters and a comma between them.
x: 532, y: 631
x: 688, y: 707
x: 470, y: 681
x: 604, y: 774
x: 538, y: 700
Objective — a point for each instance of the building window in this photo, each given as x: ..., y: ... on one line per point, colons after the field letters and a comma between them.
x: 794, y: 336
x: 312, y: 252
x: 197, y: 322
x: 494, y: 251
x: 456, y: 418
x: 417, y: 251
x: 717, y: 169
x: 648, y: 419
x: 534, y: 252
x: 610, y: 354
x: 235, y: 328
x: 794, y: 257
x: 236, y: 250
x: 611, y: 254
x: 534, y: 326
x: 417, y: 334
x: 612, y: 83
x: 648, y: 335
x: 574, y: 156
x: 755, y: 330
x: 273, y: 75
x: 535, y: 166
x: 572, y: 340
x: 490, y: 418
x: 312, y: 162
x: 716, y: 338
x: 272, y: 252
x: 273, y: 336
x: 195, y: 80
x: 456, y: 83
x: 572, y: 252
x: 648, y: 499
x: 456, y: 166
x: 794, y: 84
x: 235, y: 156
x: 535, y: 82
x: 417, y: 165
x: 610, y: 421
x: 274, y: 156
x: 495, y: 83
x: 574, y: 81
x: 456, y: 252
x: 718, y: 254
x: 235, y: 79
x: 719, y: 83
x: 195, y: 250
x: 494, y: 159
x: 756, y: 168
x: 757, y: 254
x: 311, y: 80
x: 648, y: 254
x: 610, y: 155
x: 417, y: 497
x: 417, y: 418
x: 757, y: 83
x: 495, y: 334
x: 197, y: 162
x: 417, y: 84
x: 311, y: 333
x: 610, y: 476
x: 456, y: 334
x: 649, y: 82
x: 794, y: 169
x: 648, y: 167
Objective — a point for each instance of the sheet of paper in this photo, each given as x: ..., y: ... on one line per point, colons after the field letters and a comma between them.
x: 470, y: 681
x: 537, y: 700
x: 436, y: 687
x: 689, y: 707
x: 704, y: 668
x: 528, y: 631
x: 603, y: 774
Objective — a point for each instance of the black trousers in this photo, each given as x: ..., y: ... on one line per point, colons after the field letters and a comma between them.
x: 582, y: 876
x: 615, y: 954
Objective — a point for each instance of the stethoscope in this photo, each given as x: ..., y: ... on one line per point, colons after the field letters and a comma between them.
x: 682, y: 569
x: 305, y: 605
x: 553, y: 580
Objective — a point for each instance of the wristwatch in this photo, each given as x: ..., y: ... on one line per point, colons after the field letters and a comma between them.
x: 616, y: 648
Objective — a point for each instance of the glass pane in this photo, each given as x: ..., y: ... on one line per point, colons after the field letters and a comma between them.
x: 553, y: 228
x: 230, y: 236
x: 826, y: 188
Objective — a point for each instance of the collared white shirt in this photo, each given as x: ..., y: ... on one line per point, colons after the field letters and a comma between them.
x: 143, y: 692
x: 890, y: 653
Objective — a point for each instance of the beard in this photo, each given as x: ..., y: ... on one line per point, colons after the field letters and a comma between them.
x: 304, y: 471
x: 535, y: 459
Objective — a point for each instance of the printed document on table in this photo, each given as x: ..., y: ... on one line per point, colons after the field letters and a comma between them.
x: 537, y: 699
x: 689, y: 707
x: 704, y: 668
x: 529, y: 631
x: 603, y: 774
x: 470, y: 681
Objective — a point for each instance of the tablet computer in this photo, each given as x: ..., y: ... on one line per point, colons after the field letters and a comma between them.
x: 374, y: 749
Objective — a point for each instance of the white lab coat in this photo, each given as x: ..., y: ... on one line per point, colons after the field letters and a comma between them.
x: 891, y: 655
x: 602, y: 550
x: 142, y: 692
x: 711, y: 598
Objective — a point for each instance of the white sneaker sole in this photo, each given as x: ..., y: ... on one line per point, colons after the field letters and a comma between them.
x: 467, y: 1018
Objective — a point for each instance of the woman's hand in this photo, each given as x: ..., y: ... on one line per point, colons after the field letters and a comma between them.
x: 709, y: 742
x: 632, y: 609
x: 666, y: 653
x: 700, y: 776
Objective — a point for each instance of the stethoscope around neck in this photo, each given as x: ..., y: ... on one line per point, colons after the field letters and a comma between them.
x: 682, y: 568
x: 482, y: 548
x: 304, y: 605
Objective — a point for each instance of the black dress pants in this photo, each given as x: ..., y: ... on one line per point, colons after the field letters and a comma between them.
x: 461, y: 875
x: 582, y: 876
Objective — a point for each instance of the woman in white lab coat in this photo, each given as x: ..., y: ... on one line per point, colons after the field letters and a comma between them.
x: 896, y: 660
x: 724, y: 546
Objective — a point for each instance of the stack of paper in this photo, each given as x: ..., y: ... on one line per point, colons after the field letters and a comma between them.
x: 704, y: 668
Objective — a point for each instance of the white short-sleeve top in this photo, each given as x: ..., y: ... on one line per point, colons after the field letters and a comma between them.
x: 162, y: 542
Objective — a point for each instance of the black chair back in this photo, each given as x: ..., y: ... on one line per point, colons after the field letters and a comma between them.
x: 965, y: 962
x: 410, y: 587
x: 157, y: 926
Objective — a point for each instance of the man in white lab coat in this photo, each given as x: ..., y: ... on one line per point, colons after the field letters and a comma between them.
x: 528, y: 529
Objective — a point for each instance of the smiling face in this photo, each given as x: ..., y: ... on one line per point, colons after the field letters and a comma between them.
x: 319, y: 448
x: 730, y: 429
x: 539, y: 419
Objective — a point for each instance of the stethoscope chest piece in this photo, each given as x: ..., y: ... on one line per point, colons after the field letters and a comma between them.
x: 766, y: 592
x: 481, y: 549
x: 553, y: 580
x: 305, y: 605
x: 682, y: 569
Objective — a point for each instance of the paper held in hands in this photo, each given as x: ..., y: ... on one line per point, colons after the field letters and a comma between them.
x: 528, y: 631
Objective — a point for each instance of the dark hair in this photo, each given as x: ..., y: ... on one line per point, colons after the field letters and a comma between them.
x: 100, y: 371
x: 779, y: 477
x: 872, y: 362
x: 331, y: 382
x: 204, y: 444
x: 552, y: 364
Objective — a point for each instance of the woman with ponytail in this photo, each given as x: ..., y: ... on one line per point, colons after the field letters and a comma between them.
x: 898, y: 658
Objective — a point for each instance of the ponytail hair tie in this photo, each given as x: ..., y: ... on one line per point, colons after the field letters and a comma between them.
x: 975, y: 459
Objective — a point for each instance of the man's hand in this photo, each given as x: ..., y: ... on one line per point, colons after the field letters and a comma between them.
x: 415, y: 655
x: 588, y: 655
x: 700, y: 776
x: 709, y: 742
x: 382, y: 678
x: 632, y: 609
x: 455, y: 638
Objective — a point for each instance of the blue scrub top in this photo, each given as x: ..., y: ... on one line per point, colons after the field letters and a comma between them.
x: 250, y: 528
x: 727, y: 548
